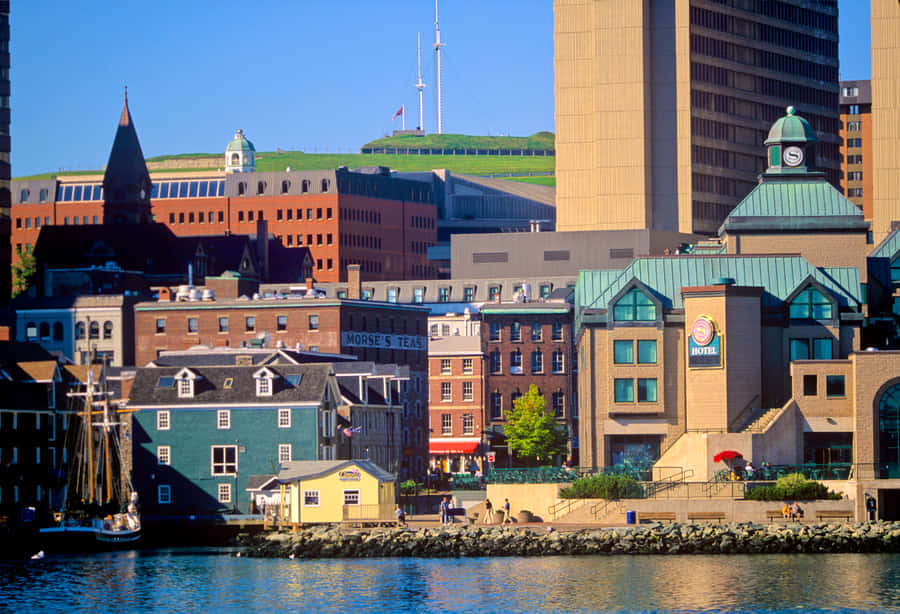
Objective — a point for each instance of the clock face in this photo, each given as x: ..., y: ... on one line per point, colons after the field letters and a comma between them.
x: 793, y: 156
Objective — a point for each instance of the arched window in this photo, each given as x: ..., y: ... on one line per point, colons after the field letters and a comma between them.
x: 285, y: 186
x: 242, y: 187
x: 325, y: 185
x: 79, y: 330
x: 235, y: 159
x: 304, y: 186
x: 810, y: 304
x: 107, y: 330
x: 24, y: 195
x: 889, y: 432
x: 94, y: 331
x: 57, y: 331
x: 635, y: 306
x: 45, y: 331
x: 261, y: 187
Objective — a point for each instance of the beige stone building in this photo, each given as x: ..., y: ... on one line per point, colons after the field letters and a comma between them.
x: 661, y: 106
x: 754, y: 342
x: 885, y: 115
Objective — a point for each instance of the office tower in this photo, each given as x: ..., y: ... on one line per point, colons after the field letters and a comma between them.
x: 856, y: 148
x: 5, y: 172
x: 662, y: 105
x: 885, y: 116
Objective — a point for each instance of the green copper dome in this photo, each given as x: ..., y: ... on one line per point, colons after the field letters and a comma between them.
x: 240, y: 143
x: 791, y: 129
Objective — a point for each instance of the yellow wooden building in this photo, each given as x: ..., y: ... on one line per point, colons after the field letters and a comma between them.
x: 336, y: 491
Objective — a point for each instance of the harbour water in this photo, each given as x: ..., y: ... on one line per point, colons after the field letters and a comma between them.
x: 209, y: 580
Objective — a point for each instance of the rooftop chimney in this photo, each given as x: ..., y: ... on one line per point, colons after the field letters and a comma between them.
x: 354, y: 289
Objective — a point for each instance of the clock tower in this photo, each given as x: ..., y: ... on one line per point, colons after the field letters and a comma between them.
x: 791, y: 147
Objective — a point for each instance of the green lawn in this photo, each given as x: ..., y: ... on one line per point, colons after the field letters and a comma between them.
x: 299, y: 161
x: 540, y: 140
x: 549, y: 180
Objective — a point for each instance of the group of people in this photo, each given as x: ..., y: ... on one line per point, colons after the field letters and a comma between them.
x: 488, y: 517
x: 792, y: 512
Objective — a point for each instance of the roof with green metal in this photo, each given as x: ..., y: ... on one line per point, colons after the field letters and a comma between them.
x: 889, y: 247
x: 240, y: 143
x: 665, y: 276
x: 791, y: 129
x: 811, y: 198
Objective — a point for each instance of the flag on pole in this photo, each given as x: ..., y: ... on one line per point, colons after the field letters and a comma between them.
x: 399, y: 112
x: 349, y: 431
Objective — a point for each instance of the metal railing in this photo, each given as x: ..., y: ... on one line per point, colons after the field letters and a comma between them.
x: 532, y: 475
x: 668, y: 483
x: 563, y: 507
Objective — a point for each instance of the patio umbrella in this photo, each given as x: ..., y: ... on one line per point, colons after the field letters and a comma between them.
x: 727, y: 455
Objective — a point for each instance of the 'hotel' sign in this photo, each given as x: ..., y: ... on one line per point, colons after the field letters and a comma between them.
x: 704, y: 344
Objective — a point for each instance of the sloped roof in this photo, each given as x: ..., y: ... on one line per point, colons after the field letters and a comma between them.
x: 42, y: 371
x: 126, y: 165
x: 806, y: 204
x: 304, y: 470
x: 665, y: 276
x: 209, y: 388
x: 888, y: 247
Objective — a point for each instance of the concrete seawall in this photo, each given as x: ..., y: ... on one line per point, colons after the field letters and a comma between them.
x: 675, y: 538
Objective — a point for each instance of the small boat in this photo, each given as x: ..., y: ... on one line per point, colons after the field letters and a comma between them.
x: 100, y: 511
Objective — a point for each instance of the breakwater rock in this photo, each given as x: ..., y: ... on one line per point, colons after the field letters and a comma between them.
x: 743, y: 538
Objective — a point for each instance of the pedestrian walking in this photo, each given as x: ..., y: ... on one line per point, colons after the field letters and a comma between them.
x: 401, y: 516
x: 488, y: 512
x: 445, y: 510
x: 507, y: 517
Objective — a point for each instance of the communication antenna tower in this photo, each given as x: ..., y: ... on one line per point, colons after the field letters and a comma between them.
x: 419, y: 85
x: 437, y: 51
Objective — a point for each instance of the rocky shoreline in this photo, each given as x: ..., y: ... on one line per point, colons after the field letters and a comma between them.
x: 655, y: 538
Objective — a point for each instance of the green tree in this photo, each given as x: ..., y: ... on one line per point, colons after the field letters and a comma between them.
x: 23, y: 272
x: 531, y: 432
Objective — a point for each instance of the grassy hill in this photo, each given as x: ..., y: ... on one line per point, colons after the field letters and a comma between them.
x: 471, y: 165
x: 539, y: 140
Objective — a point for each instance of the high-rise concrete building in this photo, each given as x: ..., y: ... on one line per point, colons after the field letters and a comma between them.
x: 856, y: 148
x: 662, y: 105
x: 885, y: 116
x: 5, y: 172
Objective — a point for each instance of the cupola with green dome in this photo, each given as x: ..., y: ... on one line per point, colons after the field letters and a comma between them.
x: 240, y: 155
x: 791, y: 146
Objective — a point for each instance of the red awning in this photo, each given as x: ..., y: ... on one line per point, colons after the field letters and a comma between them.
x: 452, y: 447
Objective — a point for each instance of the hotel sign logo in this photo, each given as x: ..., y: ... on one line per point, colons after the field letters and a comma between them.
x: 704, y: 344
x: 355, y: 339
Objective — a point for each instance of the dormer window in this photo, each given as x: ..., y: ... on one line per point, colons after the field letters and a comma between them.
x: 264, y: 382
x: 810, y: 304
x: 184, y: 380
x: 635, y: 306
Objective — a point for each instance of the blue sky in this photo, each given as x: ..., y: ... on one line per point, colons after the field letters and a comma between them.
x: 316, y: 75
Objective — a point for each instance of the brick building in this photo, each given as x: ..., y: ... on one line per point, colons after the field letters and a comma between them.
x: 364, y: 216
x: 527, y: 343
x: 856, y: 147
x: 456, y: 402
x: 372, y: 331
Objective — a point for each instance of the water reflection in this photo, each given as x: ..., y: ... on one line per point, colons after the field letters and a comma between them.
x: 173, y: 580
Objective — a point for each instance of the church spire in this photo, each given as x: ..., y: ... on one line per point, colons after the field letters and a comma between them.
x: 126, y: 183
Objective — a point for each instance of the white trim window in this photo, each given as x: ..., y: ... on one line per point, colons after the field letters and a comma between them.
x: 224, y: 492
x: 163, y: 455
x: 163, y: 420
x: 164, y: 494
x: 284, y: 453
x: 351, y: 497
x: 284, y: 418
x: 185, y: 388
x: 223, y: 460
x: 311, y: 498
x: 223, y: 419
